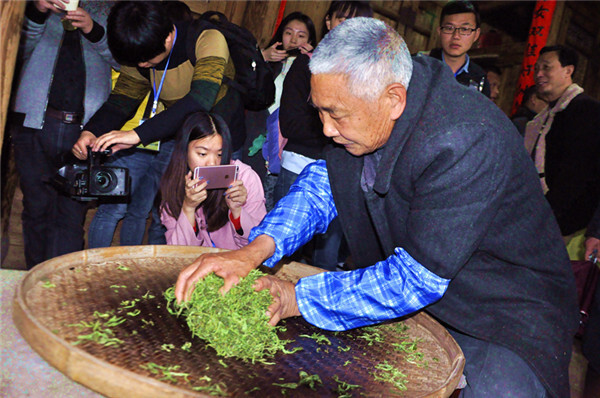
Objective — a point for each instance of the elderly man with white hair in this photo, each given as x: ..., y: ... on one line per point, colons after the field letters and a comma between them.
x: 442, y: 211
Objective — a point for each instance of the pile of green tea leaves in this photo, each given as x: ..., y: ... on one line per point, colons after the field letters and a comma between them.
x: 234, y: 324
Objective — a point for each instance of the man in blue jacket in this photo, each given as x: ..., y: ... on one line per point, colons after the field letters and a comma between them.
x: 442, y: 211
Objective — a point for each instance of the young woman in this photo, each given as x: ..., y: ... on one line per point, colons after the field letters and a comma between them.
x: 295, y: 35
x: 299, y: 122
x: 296, y: 31
x: 196, y: 216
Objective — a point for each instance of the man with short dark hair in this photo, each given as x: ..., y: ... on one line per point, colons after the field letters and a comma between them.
x: 531, y: 105
x: 493, y: 76
x: 459, y: 29
x: 442, y: 211
x: 564, y: 141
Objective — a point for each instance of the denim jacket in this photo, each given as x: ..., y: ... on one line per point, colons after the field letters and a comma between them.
x: 39, y: 47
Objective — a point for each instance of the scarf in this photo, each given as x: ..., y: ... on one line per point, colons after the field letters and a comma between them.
x: 536, y: 130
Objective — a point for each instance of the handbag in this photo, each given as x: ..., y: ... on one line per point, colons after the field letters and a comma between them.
x: 587, y: 275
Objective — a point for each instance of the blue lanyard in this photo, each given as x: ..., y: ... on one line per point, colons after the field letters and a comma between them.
x: 210, y: 237
x: 162, y: 80
x: 208, y: 233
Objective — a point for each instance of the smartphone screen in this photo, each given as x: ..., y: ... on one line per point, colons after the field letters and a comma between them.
x: 218, y: 177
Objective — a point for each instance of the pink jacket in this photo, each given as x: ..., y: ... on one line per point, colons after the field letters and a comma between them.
x: 181, y: 232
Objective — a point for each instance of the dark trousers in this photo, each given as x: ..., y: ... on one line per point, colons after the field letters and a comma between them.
x: 591, y: 339
x: 494, y: 371
x: 52, y: 221
x: 326, y: 250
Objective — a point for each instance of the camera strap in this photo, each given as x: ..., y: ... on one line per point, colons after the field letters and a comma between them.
x: 162, y: 80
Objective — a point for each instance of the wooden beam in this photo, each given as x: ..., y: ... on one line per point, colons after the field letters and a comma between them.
x: 11, y: 19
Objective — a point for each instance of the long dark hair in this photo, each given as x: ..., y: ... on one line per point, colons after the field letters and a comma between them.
x: 348, y: 9
x: 172, y: 185
x: 312, y: 34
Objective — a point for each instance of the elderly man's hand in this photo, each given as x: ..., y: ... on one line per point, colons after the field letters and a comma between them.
x: 231, y: 266
x: 284, y: 298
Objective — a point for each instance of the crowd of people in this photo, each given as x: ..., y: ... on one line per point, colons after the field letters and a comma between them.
x: 370, y: 161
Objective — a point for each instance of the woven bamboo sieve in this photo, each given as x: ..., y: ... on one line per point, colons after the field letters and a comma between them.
x: 66, y: 290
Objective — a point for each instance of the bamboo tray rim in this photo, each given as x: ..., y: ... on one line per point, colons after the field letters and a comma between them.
x: 97, y: 373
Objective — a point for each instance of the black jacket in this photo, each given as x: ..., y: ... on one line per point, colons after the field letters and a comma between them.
x: 456, y: 189
x: 475, y: 77
x: 298, y: 120
x: 573, y: 164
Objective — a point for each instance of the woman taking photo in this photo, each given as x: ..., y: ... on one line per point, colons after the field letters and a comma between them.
x: 195, y: 215
x: 295, y: 35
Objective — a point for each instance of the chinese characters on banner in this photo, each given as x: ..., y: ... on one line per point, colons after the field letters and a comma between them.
x: 538, y: 34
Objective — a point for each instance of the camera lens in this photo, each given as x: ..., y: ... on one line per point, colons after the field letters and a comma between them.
x: 104, y: 181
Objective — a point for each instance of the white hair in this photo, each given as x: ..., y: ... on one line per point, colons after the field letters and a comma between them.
x: 368, y: 52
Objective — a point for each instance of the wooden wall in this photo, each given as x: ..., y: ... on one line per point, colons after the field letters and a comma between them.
x: 11, y: 18
x: 415, y: 20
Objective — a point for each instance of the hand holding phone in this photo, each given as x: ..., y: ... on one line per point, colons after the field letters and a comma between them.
x: 217, y: 177
x: 236, y: 197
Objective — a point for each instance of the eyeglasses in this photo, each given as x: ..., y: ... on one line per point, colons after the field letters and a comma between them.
x: 449, y: 30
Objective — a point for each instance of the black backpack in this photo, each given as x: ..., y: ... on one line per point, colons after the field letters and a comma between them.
x: 253, y: 76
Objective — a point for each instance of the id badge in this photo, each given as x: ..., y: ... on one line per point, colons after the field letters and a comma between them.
x: 153, y: 146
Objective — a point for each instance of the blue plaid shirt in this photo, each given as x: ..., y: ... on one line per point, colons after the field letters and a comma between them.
x: 389, y: 289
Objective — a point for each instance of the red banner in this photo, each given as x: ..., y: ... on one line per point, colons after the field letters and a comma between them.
x: 279, y: 16
x: 538, y: 34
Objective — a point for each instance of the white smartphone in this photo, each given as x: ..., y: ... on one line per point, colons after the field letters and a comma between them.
x: 218, y: 177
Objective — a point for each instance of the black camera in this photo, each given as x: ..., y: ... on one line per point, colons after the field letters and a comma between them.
x: 91, y: 181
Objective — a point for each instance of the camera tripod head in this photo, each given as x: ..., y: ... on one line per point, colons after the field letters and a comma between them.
x: 95, y: 158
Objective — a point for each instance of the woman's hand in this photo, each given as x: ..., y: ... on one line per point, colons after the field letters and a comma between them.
x: 118, y: 139
x: 80, y: 19
x: 195, y: 194
x: 272, y: 54
x: 49, y: 5
x: 306, y: 48
x: 236, y: 197
x: 195, y: 191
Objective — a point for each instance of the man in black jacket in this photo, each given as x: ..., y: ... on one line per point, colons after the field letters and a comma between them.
x: 564, y: 141
x: 442, y: 211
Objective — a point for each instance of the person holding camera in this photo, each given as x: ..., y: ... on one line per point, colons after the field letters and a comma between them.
x: 193, y: 213
x: 64, y: 79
